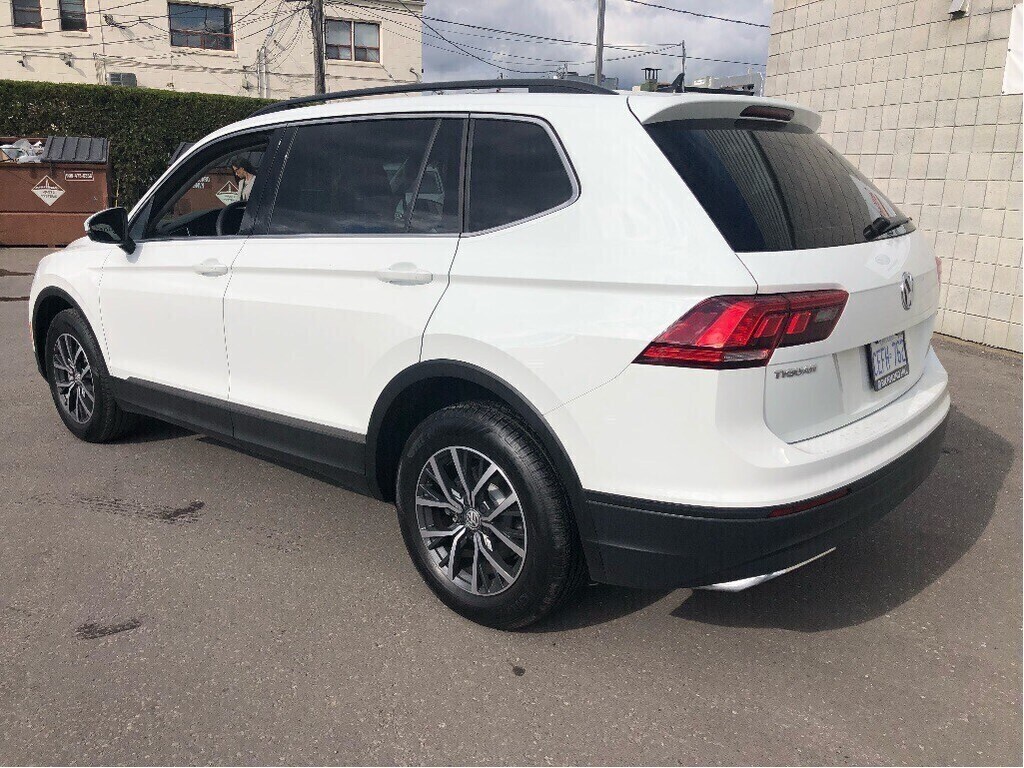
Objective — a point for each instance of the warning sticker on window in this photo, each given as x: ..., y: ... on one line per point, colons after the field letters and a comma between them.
x: 48, y: 190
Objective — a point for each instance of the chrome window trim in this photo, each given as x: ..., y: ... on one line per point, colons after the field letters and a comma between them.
x: 270, y: 127
x: 346, y: 235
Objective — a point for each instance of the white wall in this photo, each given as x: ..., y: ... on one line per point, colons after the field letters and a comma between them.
x: 915, y: 99
x: 141, y: 44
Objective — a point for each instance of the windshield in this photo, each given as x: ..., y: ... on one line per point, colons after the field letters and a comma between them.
x: 774, y: 189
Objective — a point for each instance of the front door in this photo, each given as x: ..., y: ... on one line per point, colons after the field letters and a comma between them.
x: 163, y: 305
x: 329, y: 301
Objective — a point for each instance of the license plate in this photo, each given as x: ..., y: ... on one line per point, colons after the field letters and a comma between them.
x: 887, y: 359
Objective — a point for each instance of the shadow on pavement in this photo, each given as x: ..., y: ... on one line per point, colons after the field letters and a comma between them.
x: 152, y: 430
x: 597, y: 604
x: 895, y: 560
x: 865, y: 578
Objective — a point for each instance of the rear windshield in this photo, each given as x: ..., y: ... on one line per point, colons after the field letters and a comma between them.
x: 773, y: 189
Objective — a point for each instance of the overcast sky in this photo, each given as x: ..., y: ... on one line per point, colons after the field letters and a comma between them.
x: 626, y: 24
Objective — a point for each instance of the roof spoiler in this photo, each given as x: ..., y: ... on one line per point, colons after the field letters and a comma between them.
x: 731, y: 105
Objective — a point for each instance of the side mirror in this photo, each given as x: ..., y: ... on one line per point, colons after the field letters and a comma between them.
x: 110, y: 226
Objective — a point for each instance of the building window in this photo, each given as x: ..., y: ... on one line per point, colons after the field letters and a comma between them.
x: 200, y: 26
x: 72, y: 15
x: 352, y: 40
x: 27, y: 14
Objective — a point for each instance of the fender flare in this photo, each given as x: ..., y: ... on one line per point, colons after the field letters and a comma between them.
x: 44, y: 294
x: 534, y: 419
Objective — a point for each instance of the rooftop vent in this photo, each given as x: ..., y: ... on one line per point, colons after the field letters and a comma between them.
x: 959, y: 8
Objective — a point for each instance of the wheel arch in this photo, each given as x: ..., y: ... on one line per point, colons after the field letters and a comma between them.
x: 424, y: 388
x: 48, y: 304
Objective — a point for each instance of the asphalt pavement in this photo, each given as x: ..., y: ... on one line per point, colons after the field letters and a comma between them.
x: 171, y: 600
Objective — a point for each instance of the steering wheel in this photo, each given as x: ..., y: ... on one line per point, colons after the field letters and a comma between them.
x: 233, y: 210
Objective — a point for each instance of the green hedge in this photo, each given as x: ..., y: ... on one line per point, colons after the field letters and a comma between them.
x: 144, y: 125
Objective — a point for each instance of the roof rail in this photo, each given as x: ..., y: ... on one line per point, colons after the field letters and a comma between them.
x: 534, y: 85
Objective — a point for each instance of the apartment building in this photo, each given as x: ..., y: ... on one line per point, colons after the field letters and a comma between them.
x: 924, y: 96
x: 249, y: 48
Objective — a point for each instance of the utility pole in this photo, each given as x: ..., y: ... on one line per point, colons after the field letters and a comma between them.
x: 599, y: 60
x: 682, y: 63
x: 316, y: 13
x: 316, y: 16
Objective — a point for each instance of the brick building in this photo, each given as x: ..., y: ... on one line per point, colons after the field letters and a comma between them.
x: 928, y: 104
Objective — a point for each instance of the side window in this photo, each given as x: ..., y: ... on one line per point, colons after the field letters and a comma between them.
x: 515, y: 173
x: 208, y: 196
x: 356, y: 177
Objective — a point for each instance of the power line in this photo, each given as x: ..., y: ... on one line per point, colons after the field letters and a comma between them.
x: 436, y: 37
x: 57, y: 18
x: 463, y: 50
x: 695, y: 13
x: 279, y: 55
x: 58, y: 50
x: 182, y: 51
x: 632, y: 48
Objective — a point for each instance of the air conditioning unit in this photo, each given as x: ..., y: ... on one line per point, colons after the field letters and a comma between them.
x: 123, y: 79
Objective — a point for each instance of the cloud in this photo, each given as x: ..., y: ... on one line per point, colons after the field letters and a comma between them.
x: 627, y: 24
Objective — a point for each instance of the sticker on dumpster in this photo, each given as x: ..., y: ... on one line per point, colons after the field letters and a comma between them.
x: 78, y: 176
x: 48, y: 190
x: 228, y: 194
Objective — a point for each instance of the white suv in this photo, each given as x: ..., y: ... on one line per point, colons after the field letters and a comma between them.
x: 660, y: 340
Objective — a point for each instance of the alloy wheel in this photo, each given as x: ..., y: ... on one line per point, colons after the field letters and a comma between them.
x: 471, y: 521
x: 73, y: 377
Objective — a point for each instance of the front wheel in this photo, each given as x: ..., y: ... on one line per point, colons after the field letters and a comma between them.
x: 79, y: 382
x: 484, y: 517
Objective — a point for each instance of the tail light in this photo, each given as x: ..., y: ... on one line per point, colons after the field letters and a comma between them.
x: 743, y: 331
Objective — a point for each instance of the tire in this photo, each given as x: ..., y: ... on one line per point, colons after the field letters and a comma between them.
x: 77, y: 373
x: 505, y: 578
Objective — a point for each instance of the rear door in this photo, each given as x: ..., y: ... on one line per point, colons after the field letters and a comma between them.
x: 328, y: 300
x: 797, y: 214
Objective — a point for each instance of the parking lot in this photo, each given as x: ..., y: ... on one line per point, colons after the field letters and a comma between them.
x: 169, y: 599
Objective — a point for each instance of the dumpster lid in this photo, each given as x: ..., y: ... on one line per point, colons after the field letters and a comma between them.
x: 75, y: 149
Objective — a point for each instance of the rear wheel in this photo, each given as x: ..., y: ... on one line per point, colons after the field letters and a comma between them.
x: 79, y: 382
x: 484, y: 517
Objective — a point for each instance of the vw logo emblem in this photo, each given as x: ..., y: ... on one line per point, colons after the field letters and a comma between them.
x: 907, y: 290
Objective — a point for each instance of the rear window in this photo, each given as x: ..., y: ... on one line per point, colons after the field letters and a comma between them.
x: 773, y: 189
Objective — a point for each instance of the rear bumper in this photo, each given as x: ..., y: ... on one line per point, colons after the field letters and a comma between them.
x: 659, y: 545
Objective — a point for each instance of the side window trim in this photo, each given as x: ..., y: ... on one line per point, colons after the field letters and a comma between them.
x: 268, y: 193
x: 556, y: 141
x: 290, y: 130
x: 255, y: 206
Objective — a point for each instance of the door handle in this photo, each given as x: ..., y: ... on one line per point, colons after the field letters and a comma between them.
x: 405, y: 273
x: 211, y: 268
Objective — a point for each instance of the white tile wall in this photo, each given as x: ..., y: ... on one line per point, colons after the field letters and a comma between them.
x: 914, y: 99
